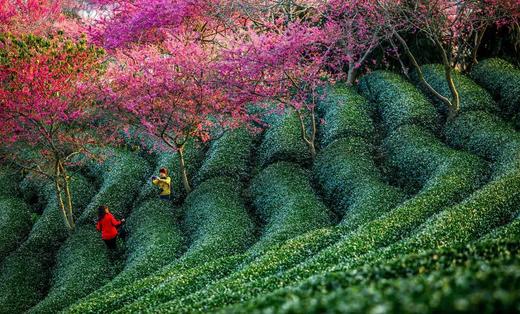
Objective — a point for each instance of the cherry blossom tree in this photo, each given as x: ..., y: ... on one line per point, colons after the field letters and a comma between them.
x: 358, y: 27
x: 287, y: 68
x: 46, y: 107
x: 455, y: 28
x: 173, y: 93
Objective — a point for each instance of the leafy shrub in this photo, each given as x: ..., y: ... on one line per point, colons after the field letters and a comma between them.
x: 26, y: 272
x: 398, y: 101
x: 502, y: 79
x: 216, y: 220
x: 228, y: 156
x: 472, y: 96
x: 9, y: 180
x: 498, y: 245
x: 123, y: 174
x: 82, y: 266
x: 345, y: 114
x: 352, y: 182
x: 286, y: 201
x: 478, y: 286
x: 15, y: 224
x: 283, y: 142
x: 154, y: 240
x: 457, y: 174
x: 488, y: 136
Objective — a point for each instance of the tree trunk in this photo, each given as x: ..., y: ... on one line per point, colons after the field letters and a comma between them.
x: 68, y: 194
x: 182, y: 168
x: 308, y: 140
x: 351, y: 74
x: 420, y: 74
x: 455, y: 101
x: 60, y: 198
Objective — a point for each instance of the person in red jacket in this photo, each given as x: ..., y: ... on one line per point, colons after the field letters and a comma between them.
x: 108, y: 224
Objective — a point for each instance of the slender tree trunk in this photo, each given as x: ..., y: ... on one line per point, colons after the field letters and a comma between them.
x: 68, y: 194
x: 182, y: 167
x: 309, y: 140
x: 351, y: 74
x: 60, y: 197
x: 421, y: 78
x: 448, y: 72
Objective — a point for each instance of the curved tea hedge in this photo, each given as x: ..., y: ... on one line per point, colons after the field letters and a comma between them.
x: 351, y: 181
x: 399, y: 102
x: 216, y: 220
x: 498, y: 245
x: 344, y: 113
x: 25, y: 274
x: 15, y: 224
x: 228, y: 156
x: 472, y: 96
x: 456, y: 176
x: 82, y: 265
x: 488, y: 136
x: 282, y: 141
x: 286, y: 202
x: 9, y: 180
x: 502, y: 79
x: 122, y: 175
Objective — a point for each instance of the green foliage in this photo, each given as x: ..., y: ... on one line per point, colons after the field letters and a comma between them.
x: 15, y: 224
x: 501, y: 79
x: 229, y: 156
x: 285, y: 200
x: 344, y: 113
x: 444, y: 288
x: 399, y: 102
x: 122, y: 174
x: 351, y: 181
x: 216, y: 220
x: 488, y: 136
x: 9, y: 180
x: 472, y: 96
x: 82, y: 265
x: 26, y: 272
x: 283, y: 142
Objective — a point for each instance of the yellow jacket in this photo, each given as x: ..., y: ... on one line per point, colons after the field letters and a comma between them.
x: 163, y: 184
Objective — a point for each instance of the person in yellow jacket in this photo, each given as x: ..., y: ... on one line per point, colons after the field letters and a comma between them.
x: 164, y: 183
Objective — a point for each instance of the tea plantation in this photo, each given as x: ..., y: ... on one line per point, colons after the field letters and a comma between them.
x: 400, y: 211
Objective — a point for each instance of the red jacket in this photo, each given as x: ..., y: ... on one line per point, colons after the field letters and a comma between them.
x: 107, y: 226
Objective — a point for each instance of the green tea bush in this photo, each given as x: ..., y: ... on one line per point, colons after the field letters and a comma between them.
x: 456, y: 176
x: 498, y: 245
x: 123, y: 174
x: 25, y: 274
x: 399, y: 102
x: 154, y: 240
x: 502, y: 79
x: 472, y: 96
x: 82, y: 265
x: 217, y: 224
x: 228, y: 156
x: 15, y: 224
x: 478, y: 286
x: 344, y: 113
x: 9, y: 180
x: 216, y: 220
x: 285, y: 200
x: 488, y: 136
x: 283, y: 142
x: 351, y: 181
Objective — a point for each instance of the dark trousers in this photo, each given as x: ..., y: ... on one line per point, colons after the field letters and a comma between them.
x: 111, y: 244
x: 164, y: 197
